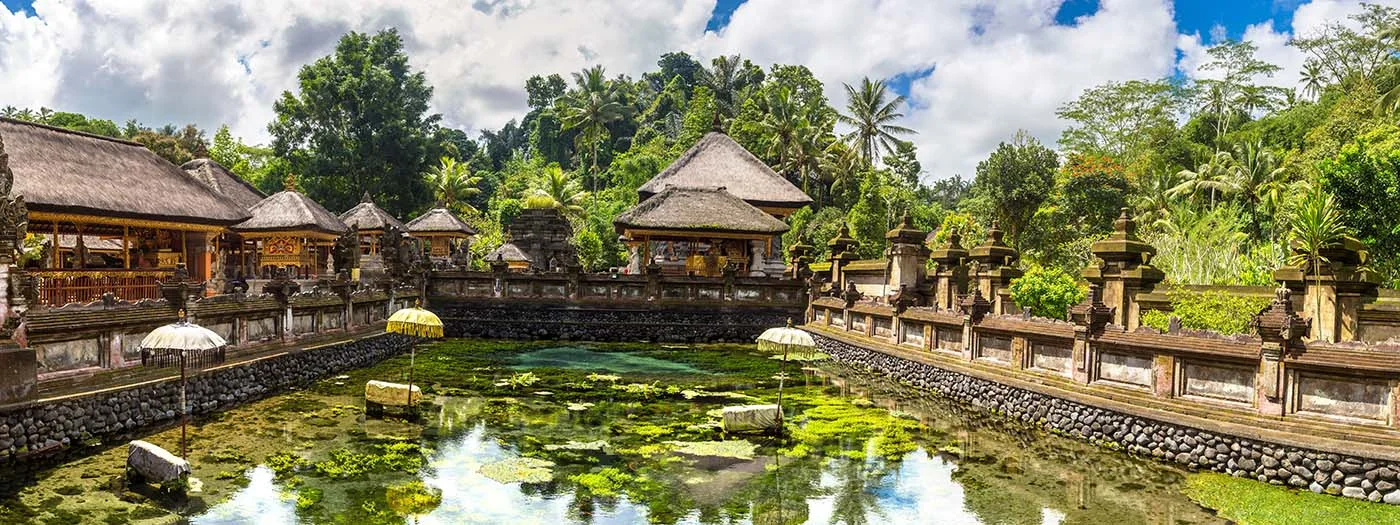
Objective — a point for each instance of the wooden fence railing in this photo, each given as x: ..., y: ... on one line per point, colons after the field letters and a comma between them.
x: 60, y: 287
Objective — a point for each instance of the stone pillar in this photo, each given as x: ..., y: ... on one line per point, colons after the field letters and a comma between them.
x: 1280, y: 332
x: 908, y: 257
x: 282, y: 287
x: 997, y: 263
x: 1123, y: 270
x: 1089, y: 318
x: 842, y: 252
x: 974, y: 307
x: 800, y: 257
x: 949, y: 273
x: 1339, y: 284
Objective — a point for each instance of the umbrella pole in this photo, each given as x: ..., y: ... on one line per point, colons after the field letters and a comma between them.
x: 184, y: 404
x: 412, y: 350
x: 782, y: 374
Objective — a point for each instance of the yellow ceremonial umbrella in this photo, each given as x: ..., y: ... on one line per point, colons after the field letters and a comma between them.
x: 415, y: 322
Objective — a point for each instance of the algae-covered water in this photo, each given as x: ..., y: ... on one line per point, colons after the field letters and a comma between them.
x: 611, y: 434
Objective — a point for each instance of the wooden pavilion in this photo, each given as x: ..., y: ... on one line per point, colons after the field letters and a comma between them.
x: 231, y: 260
x: 147, y: 214
x: 371, y: 222
x: 289, y: 230
x: 442, y: 230
x: 698, y: 231
x: 730, y: 211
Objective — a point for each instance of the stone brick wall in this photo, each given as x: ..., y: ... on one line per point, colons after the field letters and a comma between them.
x: 519, y: 320
x: 1320, y: 472
x: 45, y: 427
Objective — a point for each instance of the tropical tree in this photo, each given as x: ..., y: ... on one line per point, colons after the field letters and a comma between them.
x: 780, y: 124
x: 452, y: 183
x: 1312, y: 78
x: 1216, y: 176
x: 871, y: 111
x: 1315, y: 226
x: 1151, y: 199
x: 563, y: 191
x: 731, y: 80
x: 1255, y: 168
x: 842, y: 166
x: 590, y: 107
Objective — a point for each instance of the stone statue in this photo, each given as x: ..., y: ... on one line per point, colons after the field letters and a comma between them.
x: 462, y: 256
x: 400, y: 253
x: 346, y: 252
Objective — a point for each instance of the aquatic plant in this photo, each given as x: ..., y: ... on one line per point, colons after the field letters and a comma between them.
x: 309, y: 497
x: 1249, y: 502
x: 519, y: 470
x: 522, y: 380
x: 646, y: 390
x: 606, y: 482
x: 599, y: 378
x: 738, y: 449
x: 284, y: 464
x: 413, y: 498
x: 344, y: 463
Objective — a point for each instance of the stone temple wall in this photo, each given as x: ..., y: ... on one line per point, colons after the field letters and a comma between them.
x: 582, y: 323
x: 1349, y: 476
x: 51, y: 427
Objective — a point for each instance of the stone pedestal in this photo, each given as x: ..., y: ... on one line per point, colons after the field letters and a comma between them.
x: 997, y: 268
x: 842, y: 252
x: 1123, y: 270
x: 907, y: 257
x: 949, y: 273
x: 1333, y: 291
x: 1280, y: 332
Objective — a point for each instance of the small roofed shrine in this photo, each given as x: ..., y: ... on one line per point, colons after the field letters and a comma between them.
x: 727, y: 209
x: 112, y: 216
x: 443, y: 232
x: 370, y: 222
x: 699, y: 231
x: 514, y: 258
x: 289, y: 230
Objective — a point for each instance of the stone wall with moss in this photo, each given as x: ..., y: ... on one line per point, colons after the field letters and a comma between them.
x: 52, y: 427
x: 1320, y: 472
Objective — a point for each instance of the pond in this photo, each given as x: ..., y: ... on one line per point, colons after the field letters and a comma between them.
x: 612, y: 434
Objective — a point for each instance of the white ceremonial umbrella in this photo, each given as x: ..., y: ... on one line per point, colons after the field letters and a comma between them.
x: 173, y: 344
x: 786, y: 339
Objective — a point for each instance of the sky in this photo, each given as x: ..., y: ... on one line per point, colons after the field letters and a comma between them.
x: 974, y: 71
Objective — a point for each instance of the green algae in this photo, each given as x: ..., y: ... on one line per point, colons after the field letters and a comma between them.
x: 737, y: 449
x: 519, y: 470
x: 1249, y: 502
x: 606, y: 482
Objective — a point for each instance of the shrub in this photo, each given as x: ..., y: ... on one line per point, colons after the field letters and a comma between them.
x: 1048, y: 292
x: 1208, y: 310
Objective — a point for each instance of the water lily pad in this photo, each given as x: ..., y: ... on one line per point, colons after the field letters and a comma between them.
x: 737, y: 449
x: 519, y: 469
x: 579, y: 407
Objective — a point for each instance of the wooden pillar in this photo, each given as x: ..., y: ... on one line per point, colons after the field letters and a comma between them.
x: 57, y: 260
x: 126, y: 247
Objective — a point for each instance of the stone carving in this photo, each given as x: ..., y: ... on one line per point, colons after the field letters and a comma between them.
x: 1092, y: 313
x: 462, y: 256
x: 401, y: 255
x: 281, y: 286
x: 1279, y: 323
x: 178, y: 290
x: 346, y: 252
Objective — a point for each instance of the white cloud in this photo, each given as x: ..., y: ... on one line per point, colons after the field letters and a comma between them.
x: 999, y: 65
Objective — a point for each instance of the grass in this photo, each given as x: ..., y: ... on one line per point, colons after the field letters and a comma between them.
x: 1249, y: 502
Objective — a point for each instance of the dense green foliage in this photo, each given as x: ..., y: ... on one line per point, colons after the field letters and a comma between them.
x: 1220, y: 311
x: 1048, y: 292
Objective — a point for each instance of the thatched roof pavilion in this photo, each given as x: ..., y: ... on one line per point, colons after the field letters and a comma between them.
x: 118, y: 194
x: 441, y: 228
x: 368, y: 218
x: 716, y: 161
x: 709, y: 227
x: 514, y: 257
x: 292, y: 231
x: 224, y: 182
x: 70, y: 176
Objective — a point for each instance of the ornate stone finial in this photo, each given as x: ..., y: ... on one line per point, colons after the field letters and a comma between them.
x: 994, y: 234
x: 366, y: 198
x: 852, y: 294
x: 1124, y: 227
x: 1091, y: 313
x: 1279, y: 323
x: 974, y: 305
x: 289, y: 183
x: 954, y: 240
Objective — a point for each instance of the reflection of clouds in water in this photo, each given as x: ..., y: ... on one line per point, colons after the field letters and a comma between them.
x: 260, y: 502
x: 469, y: 497
x: 918, y: 490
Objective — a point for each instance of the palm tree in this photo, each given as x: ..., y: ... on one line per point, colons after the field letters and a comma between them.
x: 25, y: 114
x: 1390, y: 100
x: 807, y: 149
x: 724, y: 78
x: 780, y: 123
x: 1312, y: 79
x: 590, y: 107
x: 452, y: 183
x: 1255, y: 167
x: 1314, y: 226
x: 1152, y: 200
x: 1216, y: 176
x: 9, y: 112
x: 562, y: 190
x: 871, y: 114
x: 843, y: 166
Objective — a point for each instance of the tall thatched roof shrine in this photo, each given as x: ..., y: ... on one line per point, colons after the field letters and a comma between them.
x: 716, y: 161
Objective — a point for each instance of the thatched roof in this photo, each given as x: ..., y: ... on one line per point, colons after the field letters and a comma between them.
x: 64, y: 171
x: 365, y: 216
x: 290, y: 211
x: 697, y: 209
x: 508, y: 252
x: 719, y: 162
x: 439, y: 220
x: 224, y: 182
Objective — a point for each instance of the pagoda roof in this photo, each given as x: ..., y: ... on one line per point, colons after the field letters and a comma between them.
x: 291, y: 211
x: 70, y: 172
x: 439, y: 220
x: 716, y: 161
x: 366, y: 216
x: 699, y: 210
